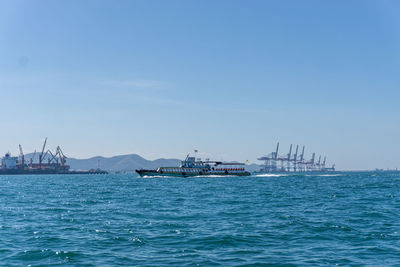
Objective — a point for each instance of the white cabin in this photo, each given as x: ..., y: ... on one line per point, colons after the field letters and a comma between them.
x: 9, y: 162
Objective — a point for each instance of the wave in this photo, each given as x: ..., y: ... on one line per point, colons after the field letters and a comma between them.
x: 269, y: 175
x: 323, y: 175
x: 214, y: 176
x: 155, y: 176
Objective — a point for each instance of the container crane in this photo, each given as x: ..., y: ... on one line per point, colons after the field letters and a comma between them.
x: 301, y: 161
x: 295, y: 159
x: 288, y: 157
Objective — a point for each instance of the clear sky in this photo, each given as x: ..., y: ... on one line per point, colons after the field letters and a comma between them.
x: 229, y: 78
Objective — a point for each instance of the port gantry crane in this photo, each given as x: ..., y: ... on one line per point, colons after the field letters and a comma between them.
x: 310, y: 164
x: 293, y: 162
x: 271, y: 160
x: 301, y: 161
x: 295, y: 159
x: 323, y: 164
x: 318, y: 164
x: 287, y: 159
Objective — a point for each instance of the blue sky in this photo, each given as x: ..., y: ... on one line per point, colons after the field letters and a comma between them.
x: 229, y: 78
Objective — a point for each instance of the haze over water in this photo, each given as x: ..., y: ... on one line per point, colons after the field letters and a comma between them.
x: 109, y: 220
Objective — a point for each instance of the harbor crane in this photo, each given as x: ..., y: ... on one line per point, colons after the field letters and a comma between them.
x: 33, y: 156
x: 295, y: 159
x: 41, y: 154
x: 290, y: 162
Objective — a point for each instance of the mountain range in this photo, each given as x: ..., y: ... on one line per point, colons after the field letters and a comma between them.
x: 121, y: 163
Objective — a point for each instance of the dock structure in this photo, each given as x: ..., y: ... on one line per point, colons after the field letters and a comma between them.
x: 293, y: 162
x: 48, y: 163
x: 55, y: 161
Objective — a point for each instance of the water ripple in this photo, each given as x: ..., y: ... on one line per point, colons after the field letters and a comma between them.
x: 112, y: 220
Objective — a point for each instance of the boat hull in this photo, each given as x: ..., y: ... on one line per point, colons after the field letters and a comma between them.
x: 46, y: 171
x: 146, y: 173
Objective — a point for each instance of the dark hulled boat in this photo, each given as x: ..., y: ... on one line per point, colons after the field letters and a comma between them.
x: 191, y: 167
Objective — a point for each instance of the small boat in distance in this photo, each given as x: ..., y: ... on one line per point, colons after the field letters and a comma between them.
x: 192, y: 167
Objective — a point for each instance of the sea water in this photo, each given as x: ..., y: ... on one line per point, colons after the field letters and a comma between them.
x: 351, y: 218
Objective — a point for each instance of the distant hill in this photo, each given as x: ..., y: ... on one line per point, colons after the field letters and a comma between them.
x: 125, y: 163
x: 122, y: 163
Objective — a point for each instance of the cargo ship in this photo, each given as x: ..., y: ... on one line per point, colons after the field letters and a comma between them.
x: 192, y: 167
x: 48, y: 171
x: 48, y: 163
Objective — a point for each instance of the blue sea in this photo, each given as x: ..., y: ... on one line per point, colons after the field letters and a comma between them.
x: 351, y: 218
